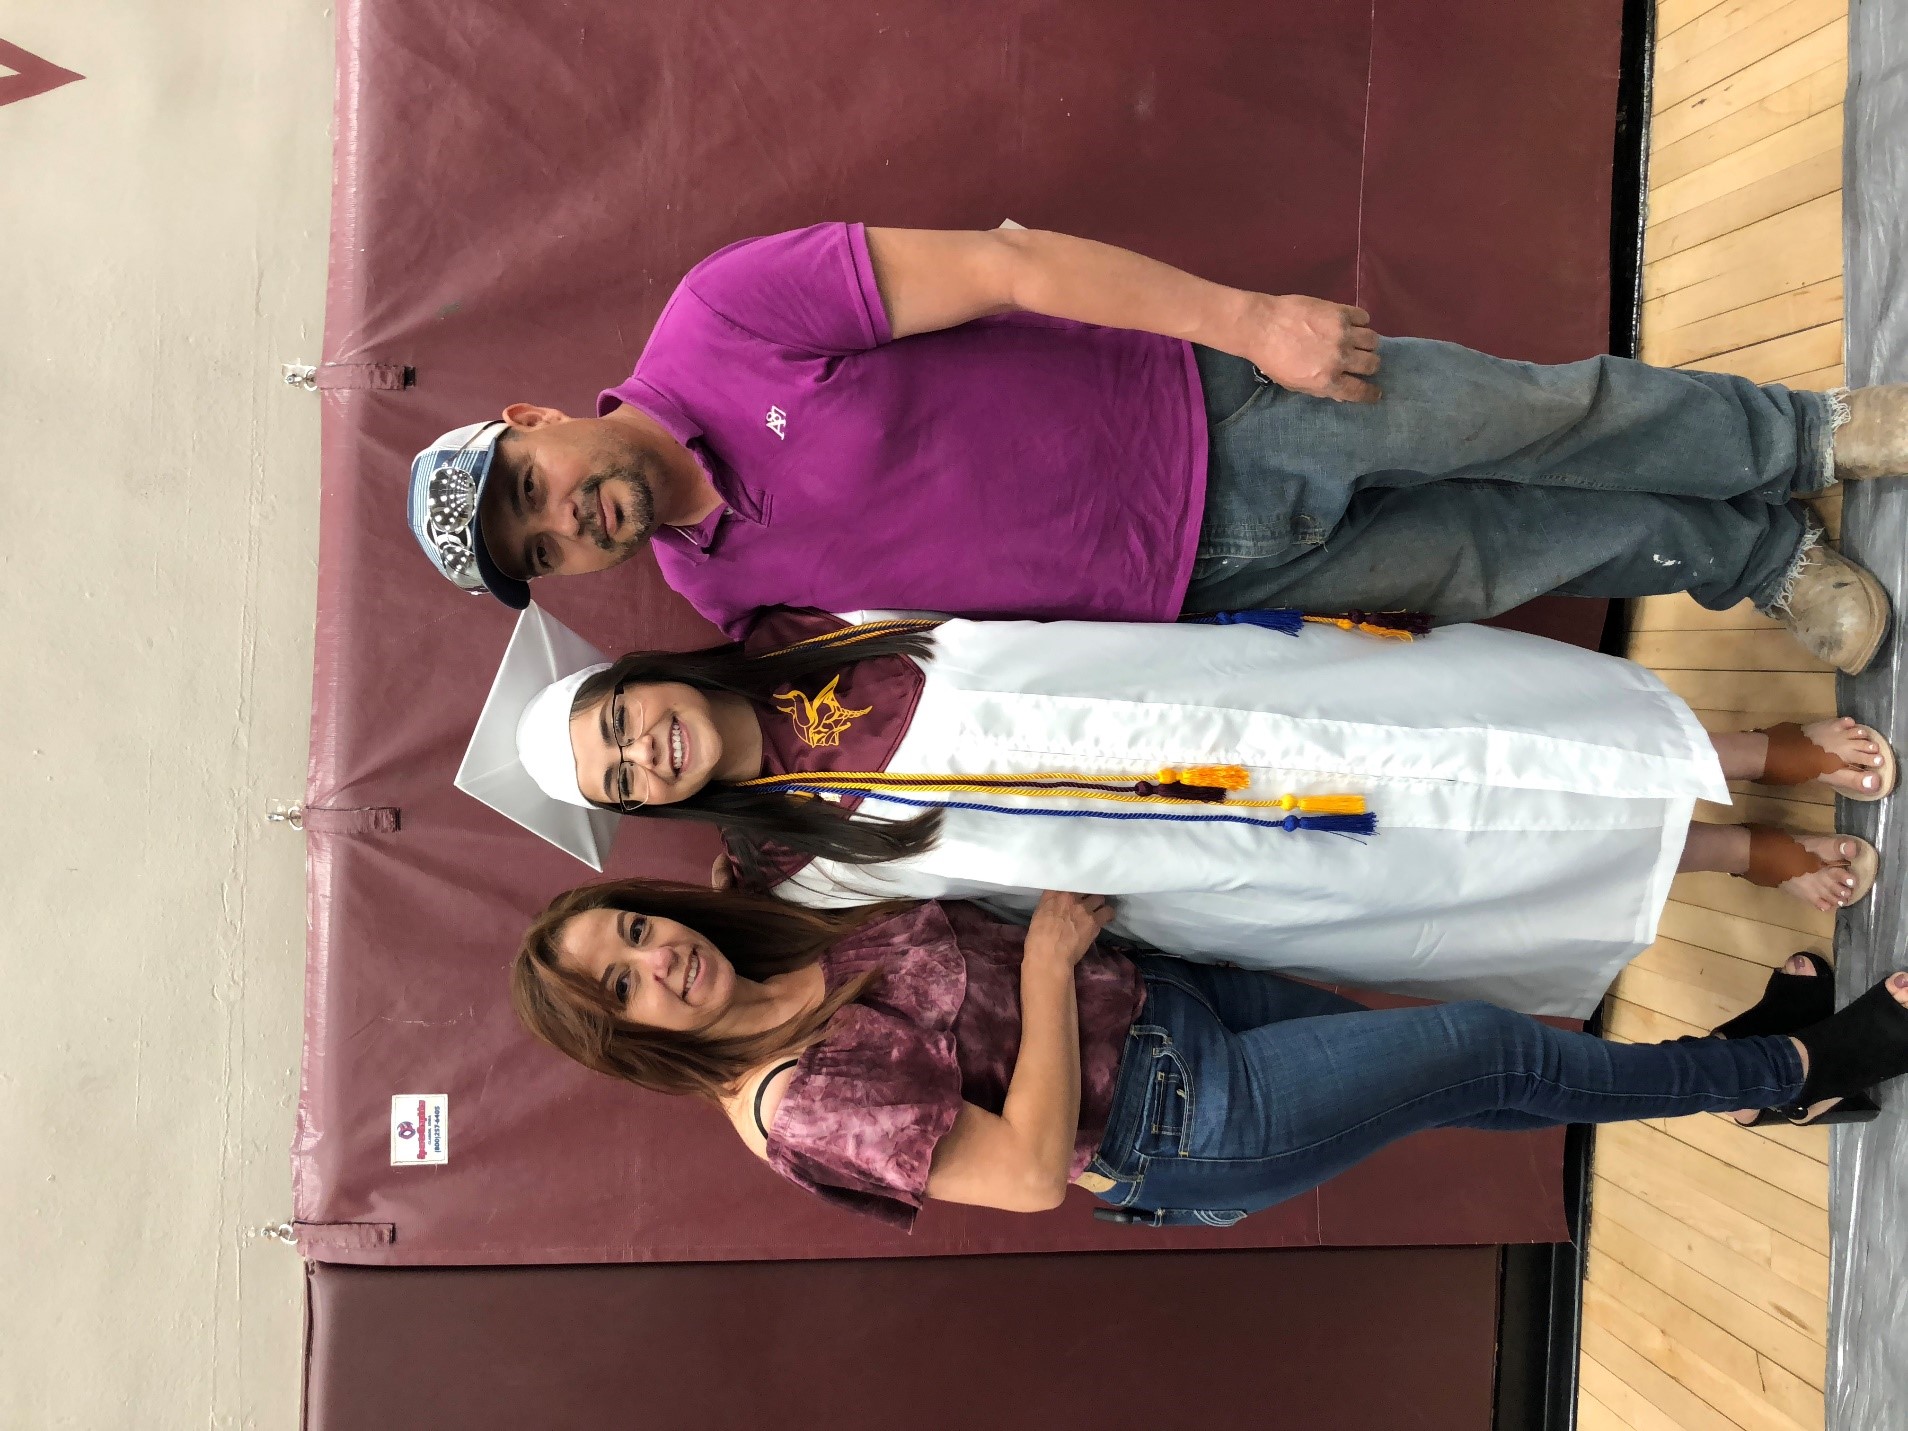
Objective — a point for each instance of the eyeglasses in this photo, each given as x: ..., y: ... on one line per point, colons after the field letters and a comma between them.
x: 622, y: 731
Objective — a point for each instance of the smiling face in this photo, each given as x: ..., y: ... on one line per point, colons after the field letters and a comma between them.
x: 645, y: 743
x: 660, y: 974
x: 566, y: 495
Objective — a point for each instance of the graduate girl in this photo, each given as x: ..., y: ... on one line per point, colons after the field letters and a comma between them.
x: 1477, y: 814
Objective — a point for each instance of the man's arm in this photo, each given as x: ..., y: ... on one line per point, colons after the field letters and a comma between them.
x: 935, y: 278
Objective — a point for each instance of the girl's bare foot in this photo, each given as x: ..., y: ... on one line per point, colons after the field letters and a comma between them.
x: 1832, y: 886
x: 1775, y: 858
x: 1855, y: 745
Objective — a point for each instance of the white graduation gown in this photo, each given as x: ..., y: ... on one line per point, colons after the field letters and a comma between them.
x: 1532, y: 798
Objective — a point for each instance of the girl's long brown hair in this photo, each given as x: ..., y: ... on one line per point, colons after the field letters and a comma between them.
x: 752, y: 820
x: 760, y: 936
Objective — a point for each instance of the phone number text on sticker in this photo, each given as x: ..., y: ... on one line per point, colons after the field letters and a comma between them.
x: 420, y: 1129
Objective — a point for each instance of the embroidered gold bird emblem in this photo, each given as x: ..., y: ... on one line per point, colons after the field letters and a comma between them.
x: 821, y: 719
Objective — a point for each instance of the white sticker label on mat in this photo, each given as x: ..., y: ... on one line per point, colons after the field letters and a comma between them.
x: 420, y: 1129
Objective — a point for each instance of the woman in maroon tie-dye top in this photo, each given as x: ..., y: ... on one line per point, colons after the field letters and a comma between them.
x: 886, y: 1055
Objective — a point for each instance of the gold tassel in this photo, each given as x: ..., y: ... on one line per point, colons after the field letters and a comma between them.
x: 1219, y: 777
x: 1322, y: 804
x: 1389, y: 633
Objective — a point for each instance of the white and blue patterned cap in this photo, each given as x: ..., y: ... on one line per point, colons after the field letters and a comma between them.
x: 447, y: 487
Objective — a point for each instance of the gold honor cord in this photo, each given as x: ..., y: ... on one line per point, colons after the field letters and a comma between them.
x: 1387, y: 625
x: 850, y: 635
x: 1199, y: 784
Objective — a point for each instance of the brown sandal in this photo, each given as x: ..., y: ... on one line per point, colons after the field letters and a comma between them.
x: 1776, y: 857
x: 1794, y: 759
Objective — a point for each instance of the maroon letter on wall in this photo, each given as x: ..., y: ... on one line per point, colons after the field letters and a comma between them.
x: 36, y: 76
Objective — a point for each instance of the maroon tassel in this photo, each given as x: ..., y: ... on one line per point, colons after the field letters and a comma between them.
x: 1175, y: 790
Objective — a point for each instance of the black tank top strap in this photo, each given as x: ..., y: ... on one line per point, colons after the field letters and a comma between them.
x: 762, y: 1088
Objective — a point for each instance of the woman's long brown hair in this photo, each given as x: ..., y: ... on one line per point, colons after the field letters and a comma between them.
x: 759, y: 935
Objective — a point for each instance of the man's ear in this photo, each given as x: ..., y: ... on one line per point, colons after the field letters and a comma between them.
x: 525, y: 414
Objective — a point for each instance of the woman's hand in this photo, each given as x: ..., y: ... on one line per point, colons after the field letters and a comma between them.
x: 1065, y: 925
x: 721, y: 873
x: 1018, y: 1159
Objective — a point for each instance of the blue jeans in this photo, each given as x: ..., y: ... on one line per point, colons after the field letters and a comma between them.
x: 1476, y: 484
x: 1239, y: 1088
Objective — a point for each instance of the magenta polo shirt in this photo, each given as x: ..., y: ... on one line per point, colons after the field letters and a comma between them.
x: 1013, y: 466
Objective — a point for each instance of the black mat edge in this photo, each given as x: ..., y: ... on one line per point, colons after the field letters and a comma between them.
x: 1630, y: 175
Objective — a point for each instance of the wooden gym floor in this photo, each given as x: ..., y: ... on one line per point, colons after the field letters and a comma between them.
x: 1705, y: 1305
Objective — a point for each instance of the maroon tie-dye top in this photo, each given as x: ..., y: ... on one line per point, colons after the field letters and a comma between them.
x: 860, y: 1118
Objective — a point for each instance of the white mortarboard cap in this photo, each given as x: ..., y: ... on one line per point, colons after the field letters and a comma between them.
x: 543, y: 738
x: 542, y: 651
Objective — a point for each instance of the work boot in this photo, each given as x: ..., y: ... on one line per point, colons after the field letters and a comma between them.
x: 1874, y: 440
x: 1835, y: 609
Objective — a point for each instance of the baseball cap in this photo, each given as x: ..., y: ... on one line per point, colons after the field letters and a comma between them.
x: 447, y: 488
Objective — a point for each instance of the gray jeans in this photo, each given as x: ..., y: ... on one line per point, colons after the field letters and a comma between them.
x: 1477, y: 483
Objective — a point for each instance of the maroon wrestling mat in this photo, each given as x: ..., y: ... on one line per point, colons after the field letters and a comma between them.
x: 519, y: 184
x: 1266, y: 1339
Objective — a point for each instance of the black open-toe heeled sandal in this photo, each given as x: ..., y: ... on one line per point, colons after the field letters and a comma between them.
x: 1865, y: 1044
x: 1853, y: 1108
x: 1789, y: 1003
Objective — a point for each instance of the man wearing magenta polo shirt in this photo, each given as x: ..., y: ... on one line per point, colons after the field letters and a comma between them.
x: 1012, y: 423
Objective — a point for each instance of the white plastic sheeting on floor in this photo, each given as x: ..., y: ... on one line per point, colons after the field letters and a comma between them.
x: 1868, y: 1198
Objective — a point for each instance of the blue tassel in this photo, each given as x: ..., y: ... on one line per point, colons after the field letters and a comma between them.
x: 1287, y: 619
x: 1366, y: 824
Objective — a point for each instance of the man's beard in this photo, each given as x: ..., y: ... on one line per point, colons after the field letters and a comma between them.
x: 639, y: 511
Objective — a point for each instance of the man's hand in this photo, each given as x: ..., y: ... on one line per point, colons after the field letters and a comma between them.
x: 933, y: 279
x: 1311, y: 346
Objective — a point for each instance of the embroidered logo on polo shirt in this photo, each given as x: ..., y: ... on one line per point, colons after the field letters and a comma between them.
x: 778, y: 423
x: 820, y: 720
